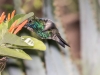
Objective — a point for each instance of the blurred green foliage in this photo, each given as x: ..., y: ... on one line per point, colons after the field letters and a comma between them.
x: 37, y: 4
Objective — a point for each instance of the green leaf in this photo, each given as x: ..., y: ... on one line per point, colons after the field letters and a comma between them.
x: 1, y: 26
x: 20, y: 20
x: 13, y: 39
x: 38, y: 45
x: 3, y: 29
x: 14, y: 19
x: 14, y: 53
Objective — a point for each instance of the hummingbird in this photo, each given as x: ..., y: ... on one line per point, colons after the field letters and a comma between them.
x: 45, y: 29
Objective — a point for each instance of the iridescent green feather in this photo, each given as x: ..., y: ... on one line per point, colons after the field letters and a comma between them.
x: 38, y: 27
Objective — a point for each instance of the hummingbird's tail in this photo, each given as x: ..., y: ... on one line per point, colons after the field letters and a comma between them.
x: 61, y: 41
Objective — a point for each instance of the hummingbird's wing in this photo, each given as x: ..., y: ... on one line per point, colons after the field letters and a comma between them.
x: 60, y: 40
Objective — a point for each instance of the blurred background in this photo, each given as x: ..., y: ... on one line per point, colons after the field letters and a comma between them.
x: 78, y: 23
